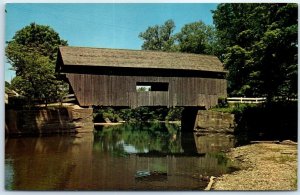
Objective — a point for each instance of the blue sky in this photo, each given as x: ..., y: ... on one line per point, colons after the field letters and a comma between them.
x: 102, y: 25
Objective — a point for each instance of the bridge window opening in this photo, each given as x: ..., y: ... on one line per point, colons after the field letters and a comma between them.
x: 151, y: 86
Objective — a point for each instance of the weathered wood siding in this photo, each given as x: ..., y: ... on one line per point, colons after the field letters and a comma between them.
x: 116, y: 90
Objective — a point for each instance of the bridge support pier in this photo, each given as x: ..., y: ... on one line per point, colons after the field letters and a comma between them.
x: 188, y: 118
x: 188, y: 123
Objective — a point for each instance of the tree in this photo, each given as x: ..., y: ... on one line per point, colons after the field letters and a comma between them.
x: 33, y: 38
x: 32, y: 54
x: 142, y: 89
x: 7, y: 84
x: 196, y: 37
x: 159, y: 37
x: 258, y: 45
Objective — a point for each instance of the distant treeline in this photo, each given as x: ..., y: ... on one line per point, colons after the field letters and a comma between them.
x: 257, y: 43
x: 138, y: 114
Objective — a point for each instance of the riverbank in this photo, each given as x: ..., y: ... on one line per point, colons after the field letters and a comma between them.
x: 264, y: 166
x: 53, y: 119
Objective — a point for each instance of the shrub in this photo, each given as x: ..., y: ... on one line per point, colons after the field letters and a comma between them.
x: 174, y: 114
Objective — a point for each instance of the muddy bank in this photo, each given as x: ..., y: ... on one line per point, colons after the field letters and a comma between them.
x: 264, y: 166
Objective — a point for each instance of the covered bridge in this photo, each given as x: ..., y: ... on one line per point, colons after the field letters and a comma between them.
x: 114, y: 77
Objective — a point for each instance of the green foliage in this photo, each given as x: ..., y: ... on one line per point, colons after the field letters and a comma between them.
x: 258, y: 45
x: 108, y: 113
x: 32, y: 53
x: 159, y: 37
x: 126, y: 114
x: 142, y: 89
x: 160, y: 113
x: 221, y: 157
x: 156, y: 137
x: 33, y: 83
x: 34, y: 38
x: 236, y: 109
x: 174, y: 114
x: 195, y: 37
x: 140, y: 114
x: 222, y: 102
x: 7, y: 85
x: 147, y: 114
x: 271, y: 121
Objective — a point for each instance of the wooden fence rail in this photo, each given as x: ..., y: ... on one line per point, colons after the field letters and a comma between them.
x: 246, y: 100
x: 68, y: 98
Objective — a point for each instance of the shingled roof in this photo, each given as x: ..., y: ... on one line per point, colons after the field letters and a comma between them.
x: 84, y: 56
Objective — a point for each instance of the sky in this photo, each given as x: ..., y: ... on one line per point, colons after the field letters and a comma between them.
x: 102, y: 25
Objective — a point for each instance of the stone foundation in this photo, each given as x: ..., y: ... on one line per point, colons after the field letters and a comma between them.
x: 69, y: 119
x: 214, y: 121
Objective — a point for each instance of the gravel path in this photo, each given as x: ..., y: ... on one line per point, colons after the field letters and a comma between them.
x: 264, y: 167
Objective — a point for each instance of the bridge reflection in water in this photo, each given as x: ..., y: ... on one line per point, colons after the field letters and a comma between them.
x: 112, y: 158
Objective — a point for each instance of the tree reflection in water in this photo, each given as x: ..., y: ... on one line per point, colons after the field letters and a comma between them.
x: 140, y: 138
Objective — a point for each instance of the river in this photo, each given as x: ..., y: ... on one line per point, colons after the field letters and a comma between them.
x: 140, y: 156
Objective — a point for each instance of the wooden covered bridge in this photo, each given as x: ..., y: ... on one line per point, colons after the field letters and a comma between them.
x: 114, y: 77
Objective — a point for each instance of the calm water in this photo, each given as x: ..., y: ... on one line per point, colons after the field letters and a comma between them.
x: 126, y: 157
